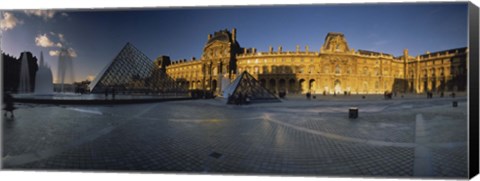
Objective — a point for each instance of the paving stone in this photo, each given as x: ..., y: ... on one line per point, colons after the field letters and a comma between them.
x: 201, y: 136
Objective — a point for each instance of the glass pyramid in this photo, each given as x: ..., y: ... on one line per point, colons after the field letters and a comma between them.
x: 247, y: 85
x: 131, y: 71
x: 160, y: 82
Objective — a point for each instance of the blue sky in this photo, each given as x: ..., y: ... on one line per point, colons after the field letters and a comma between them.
x: 95, y: 37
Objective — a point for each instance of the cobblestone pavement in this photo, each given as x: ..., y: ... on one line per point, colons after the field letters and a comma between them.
x: 412, y: 137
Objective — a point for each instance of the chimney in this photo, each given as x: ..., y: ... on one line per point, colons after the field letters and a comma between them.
x: 209, y: 36
x: 234, y: 34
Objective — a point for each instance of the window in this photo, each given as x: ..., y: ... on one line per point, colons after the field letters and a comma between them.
x: 337, y: 69
x: 256, y: 61
x: 256, y: 70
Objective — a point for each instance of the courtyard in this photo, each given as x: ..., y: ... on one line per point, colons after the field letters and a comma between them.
x: 410, y: 136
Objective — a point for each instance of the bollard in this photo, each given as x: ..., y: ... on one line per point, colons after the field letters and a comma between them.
x: 455, y: 104
x: 353, y: 113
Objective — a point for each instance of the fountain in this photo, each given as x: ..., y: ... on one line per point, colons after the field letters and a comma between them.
x: 24, y: 83
x: 65, y: 69
x: 44, y: 79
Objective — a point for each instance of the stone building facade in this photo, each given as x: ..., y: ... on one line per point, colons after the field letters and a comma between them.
x: 335, y: 68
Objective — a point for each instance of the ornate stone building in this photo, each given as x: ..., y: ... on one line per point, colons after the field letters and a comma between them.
x: 335, y: 68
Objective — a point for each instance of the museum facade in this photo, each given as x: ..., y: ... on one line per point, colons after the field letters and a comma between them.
x: 334, y: 68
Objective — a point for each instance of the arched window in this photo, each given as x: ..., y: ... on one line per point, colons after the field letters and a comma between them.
x: 337, y: 69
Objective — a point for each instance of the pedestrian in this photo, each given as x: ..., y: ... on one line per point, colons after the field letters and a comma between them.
x: 9, y: 107
x: 240, y: 98
x: 106, y: 93
x: 113, y: 93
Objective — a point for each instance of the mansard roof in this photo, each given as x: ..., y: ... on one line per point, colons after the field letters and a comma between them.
x: 222, y: 35
x: 443, y: 52
x: 368, y: 52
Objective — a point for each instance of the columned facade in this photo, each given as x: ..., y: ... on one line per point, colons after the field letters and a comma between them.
x: 334, y: 69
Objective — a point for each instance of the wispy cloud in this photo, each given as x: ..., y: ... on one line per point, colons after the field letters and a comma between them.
x: 9, y: 21
x: 61, y: 37
x: 70, y: 51
x: 54, y: 53
x: 44, y: 41
x: 45, y: 14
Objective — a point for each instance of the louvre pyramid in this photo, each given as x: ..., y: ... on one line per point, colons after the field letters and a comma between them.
x: 246, y: 84
x: 160, y: 82
x: 130, y: 71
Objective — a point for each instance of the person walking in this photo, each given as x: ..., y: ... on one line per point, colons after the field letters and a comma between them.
x: 113, y: 93
x: 106, y: 93
x: 9, y: 107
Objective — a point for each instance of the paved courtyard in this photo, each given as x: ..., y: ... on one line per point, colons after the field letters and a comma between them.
x: 413, y: 136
